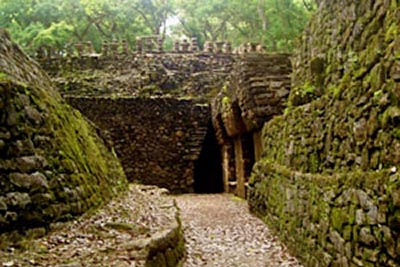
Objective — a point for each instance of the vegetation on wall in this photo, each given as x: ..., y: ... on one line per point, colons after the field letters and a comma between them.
x: 53, y: 165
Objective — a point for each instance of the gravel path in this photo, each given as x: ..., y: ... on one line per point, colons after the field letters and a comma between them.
x: 220, y: 232
x: 106, y: 238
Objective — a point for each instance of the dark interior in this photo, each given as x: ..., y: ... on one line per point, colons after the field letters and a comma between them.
x: 248, y: 153
x: 208, y: 168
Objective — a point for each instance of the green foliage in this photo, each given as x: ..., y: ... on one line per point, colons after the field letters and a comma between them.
x: 226, y: 102
x: 308, y: 88
x: 56, y: 35
x: 59, y: 23
x: 270, y: 22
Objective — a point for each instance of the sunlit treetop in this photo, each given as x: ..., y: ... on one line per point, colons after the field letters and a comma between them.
x: 60, y: 23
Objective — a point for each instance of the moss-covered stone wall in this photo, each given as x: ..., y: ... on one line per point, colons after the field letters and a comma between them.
x: 354, y: 124
x: 195, y: 75
x: 349, y: 50
x: 328, y: 179
x: 157, y: 140
x: 255, y: 91
x: 52, y: 164
x: 345, y: 219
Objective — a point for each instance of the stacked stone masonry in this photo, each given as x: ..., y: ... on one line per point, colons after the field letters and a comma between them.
x: 198, y: 75
x: 45, y: 175
x: 255, y: 92
x: 257, y: 85
x: 328, y: 178
x: 157, y: 140
x: 347, y: 219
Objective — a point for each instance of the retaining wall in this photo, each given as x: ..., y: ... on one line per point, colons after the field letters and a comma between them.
x: 328, y: 179
x: 157, y: 140
x: 53, y: 166
x: 345, y: 219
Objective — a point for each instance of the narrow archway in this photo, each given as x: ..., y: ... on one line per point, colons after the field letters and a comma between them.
x: 208, y: 168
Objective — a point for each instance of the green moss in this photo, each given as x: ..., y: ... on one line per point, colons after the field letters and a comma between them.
x: 389, y: 115
x: 396, y: 133
x: 314, y: 163
x: 378, y: 94
x: 226, y: 100
x: 372, y: 53
x: 3, y: 76
x: 209, y: 95
x: 310, y: 199
x: 338, y: 219
x: 308, y: 88
x: 376, y: 77
x: 286, y: 111
x: 317, y: 65
x: 74, y: 153
x: 391, y: 33
x: 360, y: 73
x: 303, y: 94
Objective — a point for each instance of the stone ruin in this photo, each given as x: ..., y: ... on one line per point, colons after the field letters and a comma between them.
x: 45, y: 176
x: 315, y: 152
x: 152, y: 44
x: 155, y: 108
x: 328, y: 180
x: 256, y: 92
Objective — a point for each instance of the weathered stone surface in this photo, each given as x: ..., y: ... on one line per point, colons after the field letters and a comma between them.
x: 337, y: 241
x: 28, y: 164
x: 18, y: 200
x: 373, y: 216
x: 366, y: 237
x: 38, y: 131
x: 175, y: 74
x: 33, y: 114
x: 339, y: 133
x: 344, y: 239
x: 3, y: 205
x: 255, y: 91
x: 139, y: 228
x: 30, y: 182
x: 353, y: 123
x: 160, y: 145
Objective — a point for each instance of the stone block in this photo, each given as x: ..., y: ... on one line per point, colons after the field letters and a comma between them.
x: 17, y: 200
x: 372, y: 215
x: 31, y: 182
x: 337, y: 241
x: 367, y: 238
x: 364, y: 200
x: 3, y: 205
x: 360, y: 217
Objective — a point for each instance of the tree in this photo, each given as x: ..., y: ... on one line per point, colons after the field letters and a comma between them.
x: 154, y: 13
x: 59, y: 23
x: 274, y: 23
x: 62, y: 22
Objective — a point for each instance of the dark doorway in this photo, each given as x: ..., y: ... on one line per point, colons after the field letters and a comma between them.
x: 208, y: 168
x: 248, y: 154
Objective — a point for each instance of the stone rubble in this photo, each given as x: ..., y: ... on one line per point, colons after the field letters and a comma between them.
x: 220, y: 231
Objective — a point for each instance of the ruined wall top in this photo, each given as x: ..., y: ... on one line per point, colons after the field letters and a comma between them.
x: 186, y: 71
x: 152, y: 44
